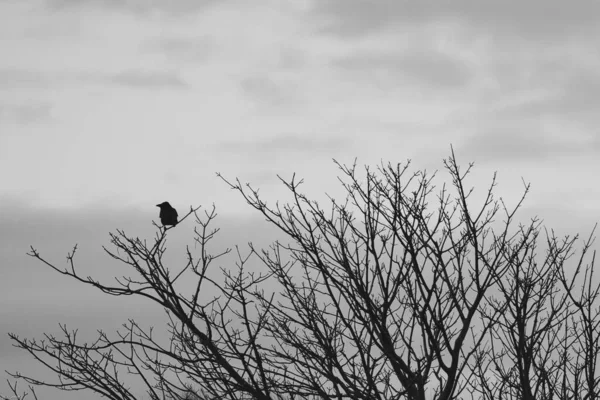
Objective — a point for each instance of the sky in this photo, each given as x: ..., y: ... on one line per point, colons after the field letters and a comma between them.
x: 108, y: 107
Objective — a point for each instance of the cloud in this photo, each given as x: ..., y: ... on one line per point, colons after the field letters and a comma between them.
x: 566, y: 93
x: 17, y: 78
x: 267, y: 90
x: 526, y: 142
x: 25, y: 113
x: 283, y: 154
x: 147, y: 79
x: 279, y: 81
x: 187, y: 49
x: 136, y: 6
x: 531, y: 19
x: 578, y: 95
x: 291, y: 58
x: 285, y: 144
x: 428, y: 67
x: 136, y: 78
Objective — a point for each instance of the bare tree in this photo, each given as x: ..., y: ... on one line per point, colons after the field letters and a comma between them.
x: 581, y: 380
x: 530, y: 334
x: 400, y: 291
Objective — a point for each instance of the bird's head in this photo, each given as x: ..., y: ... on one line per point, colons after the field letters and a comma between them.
x: 163, y: 204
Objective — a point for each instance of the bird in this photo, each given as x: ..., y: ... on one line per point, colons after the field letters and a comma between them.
x: 168, y: 215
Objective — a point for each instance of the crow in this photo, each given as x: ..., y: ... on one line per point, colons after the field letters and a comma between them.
x: 168, y: 215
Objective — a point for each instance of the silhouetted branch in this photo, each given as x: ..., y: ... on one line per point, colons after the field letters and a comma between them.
x: 400, y: 291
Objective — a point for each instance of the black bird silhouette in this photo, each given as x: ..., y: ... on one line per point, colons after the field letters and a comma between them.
x: 168, y: 215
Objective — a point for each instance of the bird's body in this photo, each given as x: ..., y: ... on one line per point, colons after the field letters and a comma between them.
x: 168, y: 215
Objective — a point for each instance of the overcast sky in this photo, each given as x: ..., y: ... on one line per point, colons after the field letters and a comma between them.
x: 108, y: 107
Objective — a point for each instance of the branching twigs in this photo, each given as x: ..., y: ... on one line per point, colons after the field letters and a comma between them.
x: 396, y: 292
x: 17, y: 395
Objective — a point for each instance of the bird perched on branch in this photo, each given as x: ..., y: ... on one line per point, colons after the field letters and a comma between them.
x: 168, y: 215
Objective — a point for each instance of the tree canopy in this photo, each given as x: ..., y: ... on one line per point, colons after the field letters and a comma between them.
x: 400, y: 290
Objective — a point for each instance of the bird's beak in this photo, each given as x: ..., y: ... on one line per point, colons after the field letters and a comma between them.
x: 158, y: 205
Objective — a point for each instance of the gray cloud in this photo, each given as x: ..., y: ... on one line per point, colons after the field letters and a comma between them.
x: 187, y: 49
x: 525, y: 143
x: 575, y: 96
x: 25, y: 113
x: 136, y: 6
x: 137, y: 78
x: 147, y: 79
x: 531, y: 19
x: 428, y: 67
x: 266, y: 90
x: 291, y: 58
x: 11, y: 78
x: 24, y: 78
x: 284, y: 144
